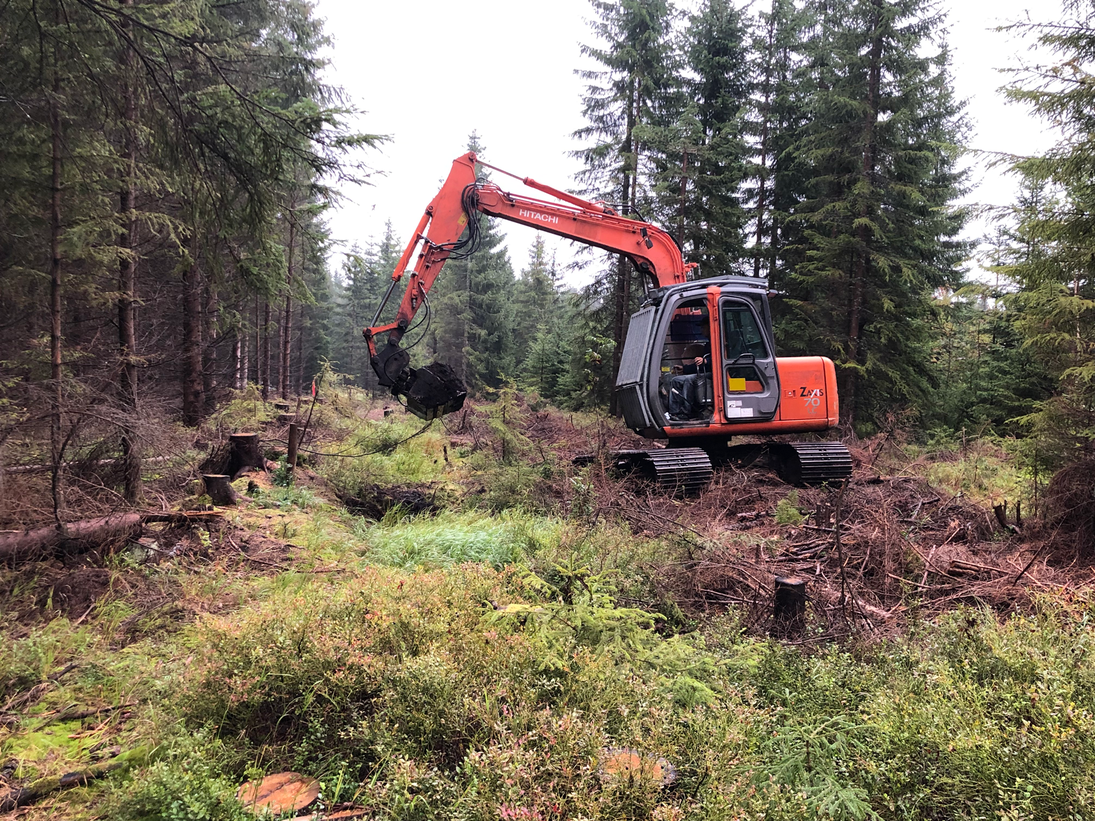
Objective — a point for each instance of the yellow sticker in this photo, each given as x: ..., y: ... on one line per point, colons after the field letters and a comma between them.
x: 463, y: 220
x: 733, y: 384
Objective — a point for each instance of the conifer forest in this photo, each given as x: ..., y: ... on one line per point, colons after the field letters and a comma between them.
x: 238, y: 579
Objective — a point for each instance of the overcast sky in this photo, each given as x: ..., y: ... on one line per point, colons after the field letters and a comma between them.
x: 428, y: 73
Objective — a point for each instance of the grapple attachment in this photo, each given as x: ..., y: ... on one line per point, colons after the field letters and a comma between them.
x: 433, y: 391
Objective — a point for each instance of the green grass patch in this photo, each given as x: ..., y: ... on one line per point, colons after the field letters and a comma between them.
x: 393, y: 451
x: 459, y: 537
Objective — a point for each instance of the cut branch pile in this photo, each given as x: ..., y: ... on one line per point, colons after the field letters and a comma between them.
x: 1070, y: 508
x: 869, y: 552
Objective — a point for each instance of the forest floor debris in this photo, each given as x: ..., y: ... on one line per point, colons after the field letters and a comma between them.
x: 885, y: 549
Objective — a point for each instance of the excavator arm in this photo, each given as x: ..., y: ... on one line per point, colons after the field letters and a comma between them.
x: 449, y: 229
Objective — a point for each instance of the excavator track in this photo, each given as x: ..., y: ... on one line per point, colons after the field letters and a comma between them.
x: 690, y: 470
x: 686, y: 469
x: 812, y: 463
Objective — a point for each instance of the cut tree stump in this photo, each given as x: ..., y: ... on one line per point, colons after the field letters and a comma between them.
x: 278, y: 793
x: 294, y: 445
x: 790, y: 608
x: 245, y: 452
x: 218, y: 487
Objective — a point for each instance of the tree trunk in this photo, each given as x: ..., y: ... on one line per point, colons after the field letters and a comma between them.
x: 127, y: 265
x: 789, y: 612
x: 193, y: 386
x: 77, y: 537
x: 294, y: 444
x: 623, y: 267
x: 300, y: 359
x: 861, y: 260
x: 55, y: 284
x: 239, y: 359
x: 287, y: 325
x: 39, y: 789
x: 245, y: 370
x: 80, y: 537
x: 265, y: 361
x: 258, y: 344
x: 245, y: 452
x: 209, y: 336
x: 765, y: 113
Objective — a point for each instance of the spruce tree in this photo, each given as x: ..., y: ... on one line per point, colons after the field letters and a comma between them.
x: 539, y: 324
x: 1051, y: 256
x: 699, y: 159
x: 876, y: 226
x: 782, y: 86
x: 625, y: 94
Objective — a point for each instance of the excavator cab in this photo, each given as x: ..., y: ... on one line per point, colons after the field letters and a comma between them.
x: 700, y: 355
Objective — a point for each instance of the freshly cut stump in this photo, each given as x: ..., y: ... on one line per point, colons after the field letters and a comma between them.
x: 278, y: 793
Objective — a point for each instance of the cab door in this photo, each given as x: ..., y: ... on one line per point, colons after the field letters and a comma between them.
x: 749, y: 378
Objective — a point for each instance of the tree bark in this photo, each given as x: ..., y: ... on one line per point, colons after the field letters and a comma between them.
x: 294, y: 445
x: 193, y: 387
x: 245, y: 375
x: 75, y: 537
x: 239, y: 360
x: 765, y: 114
x: 209, y: 348
x: 789, y: 612
x: 218, y: 487
x: 265, y: 361
x: 287, y: 325
x: 258, y: 344
x: 623, y: 266
x: 127, y: 333
x: 56, y: 421
x: 299, y: 386
x: 39, y: 789
x: 82, y: 536
x: 246, y: 452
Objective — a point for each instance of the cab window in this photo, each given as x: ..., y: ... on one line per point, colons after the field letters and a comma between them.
x: 740, y: 333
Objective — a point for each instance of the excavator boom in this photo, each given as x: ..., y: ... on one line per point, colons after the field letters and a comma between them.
x: 449, y: 228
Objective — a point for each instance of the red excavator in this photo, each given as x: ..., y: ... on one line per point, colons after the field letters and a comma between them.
x: 698, y: 365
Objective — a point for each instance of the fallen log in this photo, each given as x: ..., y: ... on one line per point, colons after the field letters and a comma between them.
x: 84, y: 535
x: 39, y: 789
